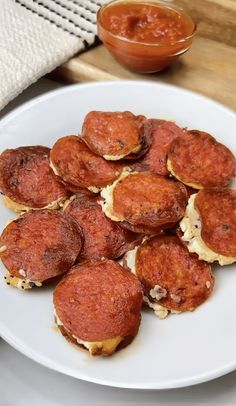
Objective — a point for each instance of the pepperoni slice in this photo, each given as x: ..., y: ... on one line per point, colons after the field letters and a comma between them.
x: 143, y: 229
x: 171, y: 276
x: 27, y: 179
x: 99, y: 300
x: 102, y: 237
x: 149, y: 200
x: 79, y: 167
x: 40, y: 245
x: 114, y: 135
x: 162, y: 133
x: 199, y: 161
x: 217, y: 211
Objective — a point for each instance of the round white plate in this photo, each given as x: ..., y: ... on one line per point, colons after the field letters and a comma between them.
x: 182, y: 350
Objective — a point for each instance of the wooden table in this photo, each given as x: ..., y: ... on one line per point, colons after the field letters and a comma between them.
x: 209, y: 67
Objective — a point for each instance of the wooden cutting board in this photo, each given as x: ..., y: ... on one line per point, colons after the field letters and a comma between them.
x: 209, y: 67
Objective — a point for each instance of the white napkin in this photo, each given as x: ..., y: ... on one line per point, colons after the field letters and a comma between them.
x: 36, y: 36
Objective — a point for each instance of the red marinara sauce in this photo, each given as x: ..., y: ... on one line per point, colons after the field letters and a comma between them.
x: 145, y: 36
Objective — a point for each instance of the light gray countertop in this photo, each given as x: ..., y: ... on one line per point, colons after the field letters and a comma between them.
x: 25, y: 383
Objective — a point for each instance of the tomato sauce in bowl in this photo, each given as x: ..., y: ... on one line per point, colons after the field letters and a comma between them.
x: 145, y: 36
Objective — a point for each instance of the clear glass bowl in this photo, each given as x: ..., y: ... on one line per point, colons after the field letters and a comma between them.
x: 144, y: 57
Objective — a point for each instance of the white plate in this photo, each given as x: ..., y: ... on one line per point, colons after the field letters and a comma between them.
x: 183, y: 349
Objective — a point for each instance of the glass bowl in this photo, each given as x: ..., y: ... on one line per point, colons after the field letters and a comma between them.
x: 143, y: 56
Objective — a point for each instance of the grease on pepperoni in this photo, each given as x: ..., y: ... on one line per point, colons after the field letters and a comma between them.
x: 199, y: 161
x: 171, y: 276
x: 102, y: 237
x: 40, y: 245
x: 162, y: 133
x: 99, y: 300
x: 217, y: 210
x: 79, y: 167
x: 114, y: 135
x: 145, y: 199
x: 27, y: 179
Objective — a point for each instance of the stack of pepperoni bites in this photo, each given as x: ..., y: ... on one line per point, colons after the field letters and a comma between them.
x: 128, y: 194
x: 150, y: 197
x: 172, y: 271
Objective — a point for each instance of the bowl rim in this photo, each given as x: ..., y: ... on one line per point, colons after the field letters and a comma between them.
x: 151, y: 2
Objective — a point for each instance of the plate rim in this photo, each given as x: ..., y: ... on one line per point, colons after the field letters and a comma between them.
x: 70, y: 88
x: 174, y: 384
x: 47, y: 362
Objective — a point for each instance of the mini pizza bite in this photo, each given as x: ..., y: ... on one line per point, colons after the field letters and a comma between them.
x: 173, y: 279
x: 38, y: 246
x: 102, y: 237
x: 27, y: 181
x: 209, y: 225
x: 161, y: 133
x: 80, y: 168
x: 115, y: 135
x: 97, y: 306
x: 145, y: 200
x: 199, y: 161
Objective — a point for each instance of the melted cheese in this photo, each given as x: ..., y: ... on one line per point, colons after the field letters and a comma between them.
x: 68, y: 202
x: 94, y: 189
x: 3, y: 248
x: 160, y: 311
x: 17, y: 207
x: 129, y: 260
x: 118, y: 157
x: 21, y: 208
x: 22, y: 284
x: 107, y: 194
x: 113, y: 157
x: 156, y: 293
x: 104, y: 347
x: 53, y: 168
x: 171, y: 170
x: 191, y: 228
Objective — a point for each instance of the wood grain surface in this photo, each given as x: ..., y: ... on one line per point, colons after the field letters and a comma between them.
x: 215, y: 19
x: 209, y: 67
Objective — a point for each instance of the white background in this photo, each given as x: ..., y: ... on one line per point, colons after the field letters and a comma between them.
x: 23, y: 382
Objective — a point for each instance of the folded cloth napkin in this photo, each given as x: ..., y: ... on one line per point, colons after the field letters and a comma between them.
x: 36, y: 36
